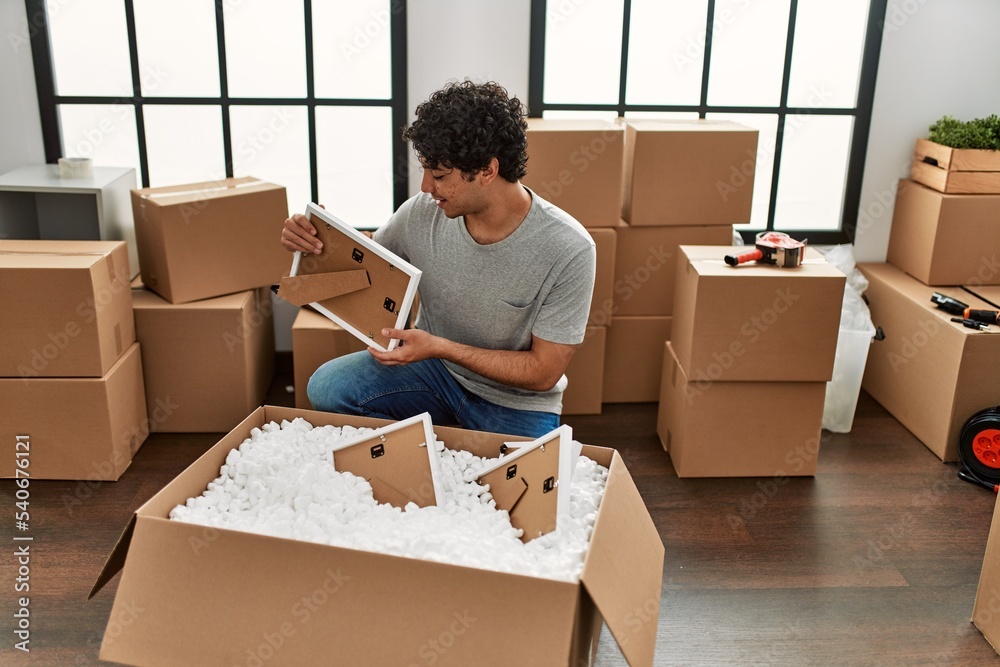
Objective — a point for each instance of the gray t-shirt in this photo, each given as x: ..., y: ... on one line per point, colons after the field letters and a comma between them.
x: 539, y: 280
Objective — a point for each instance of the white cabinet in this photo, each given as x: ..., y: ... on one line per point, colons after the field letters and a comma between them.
x: 36, y: 203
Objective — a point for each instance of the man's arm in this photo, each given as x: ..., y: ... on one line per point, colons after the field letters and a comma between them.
x: 535, y: 369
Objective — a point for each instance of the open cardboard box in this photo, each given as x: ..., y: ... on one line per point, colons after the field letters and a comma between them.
x: 199, y: 595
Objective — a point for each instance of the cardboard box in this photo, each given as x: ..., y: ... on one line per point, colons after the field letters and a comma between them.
x: 577, y: 165
x: 208, y: 239
x: 756, y: 322
x: 955, y: 170
x: 634, y: 358
x: 207, y: 364
x: 74, y: 428
x: 316, y: 340
x: 370, y: 608
x: 932, y: 374
x: 739, y: 429
x: 688, y: 172
x: 606, y: 243
x: 986, y: 611
x: 945, y: 239
x: 585, y: 391
x: 67, y: 308
x: 646, y: 268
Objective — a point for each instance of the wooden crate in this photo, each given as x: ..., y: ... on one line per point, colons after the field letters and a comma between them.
x: 955, y: 170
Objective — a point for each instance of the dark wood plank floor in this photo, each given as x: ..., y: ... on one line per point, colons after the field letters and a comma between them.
x: 875, y: 561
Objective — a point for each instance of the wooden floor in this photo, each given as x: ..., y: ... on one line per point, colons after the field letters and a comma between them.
x: 875, y: 561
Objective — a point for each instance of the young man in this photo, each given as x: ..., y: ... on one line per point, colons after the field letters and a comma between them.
x: 506, y: 285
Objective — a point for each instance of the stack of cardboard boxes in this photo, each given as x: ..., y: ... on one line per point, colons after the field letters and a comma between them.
x: 933, y: 374
x: 684, y: 183
x: 745, y: 374
x: 577, y: 165
x: 203, y: 312
x: 71, y: 384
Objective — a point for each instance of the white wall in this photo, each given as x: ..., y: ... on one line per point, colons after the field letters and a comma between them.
x: 939, y: 57
x: 483, y: 40
x: 20, y: 125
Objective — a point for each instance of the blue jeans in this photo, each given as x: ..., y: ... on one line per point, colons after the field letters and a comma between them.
x: 357, y: 384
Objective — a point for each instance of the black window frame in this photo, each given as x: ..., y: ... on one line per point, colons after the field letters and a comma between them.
x: 862, y: 111
x: 49, y: 100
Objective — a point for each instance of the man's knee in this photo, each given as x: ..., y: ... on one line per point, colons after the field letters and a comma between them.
x: 329, y: 387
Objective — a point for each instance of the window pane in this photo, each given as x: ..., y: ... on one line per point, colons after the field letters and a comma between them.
x: 90, y: 48
x: 766, y: 125
x: 175, y: 66
x: 265, y: 48
x: 272, y: 143
x: 351, y: 48
x: 814, y: 159
x: 184, y: 144
x: 103, y: 132
x: 583, y: 52
x: 748, y: 52
x: 354, y: 157
x: 826, y: 55
x: 666, y: 51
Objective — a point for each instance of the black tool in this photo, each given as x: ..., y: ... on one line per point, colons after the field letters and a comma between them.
x: 971, y: 324
x: 955, y: 307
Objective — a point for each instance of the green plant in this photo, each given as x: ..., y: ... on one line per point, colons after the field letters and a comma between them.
x: 977, y: 133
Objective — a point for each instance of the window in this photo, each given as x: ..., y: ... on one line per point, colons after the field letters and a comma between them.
x: 802, y: 72
x: 310, y: 95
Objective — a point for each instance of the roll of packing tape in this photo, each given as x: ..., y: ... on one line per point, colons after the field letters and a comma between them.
x: 76, y: 167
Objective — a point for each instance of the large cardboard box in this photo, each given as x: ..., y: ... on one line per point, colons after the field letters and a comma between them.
x: 756, y: 322
x: 606, y: 242
x: 577, y: 165
x: 945, y: 239
x: 330, y: 604
x: 634, y: 358
x: 986, y: 611
x: 208, y: 239
x: 585, y: 391
x: 932, y: 374
x: 646, y: 268
x: 316, y: 339
x: 74, y: 428
x: 207, y: 364
x: 688, y: 172
x: 67, y: 308
x: 739, y: 429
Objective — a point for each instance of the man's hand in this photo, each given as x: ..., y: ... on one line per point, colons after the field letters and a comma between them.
x: 536, y: 369
x: 414, y: 345
x: 299, y: 235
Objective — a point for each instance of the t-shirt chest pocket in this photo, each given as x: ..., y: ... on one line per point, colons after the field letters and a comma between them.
x: 512, y: 323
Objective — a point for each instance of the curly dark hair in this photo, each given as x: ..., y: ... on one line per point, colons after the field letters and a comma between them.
x: 465, y: 125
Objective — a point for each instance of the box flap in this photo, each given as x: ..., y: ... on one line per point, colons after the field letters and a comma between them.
x: 304, y: 289
x: 116, y: 561
x: 624, y: 567
x: 180, y: 194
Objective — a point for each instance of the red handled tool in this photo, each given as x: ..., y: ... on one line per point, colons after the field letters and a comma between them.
x: 955, y: 307
x: 775, y: 248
